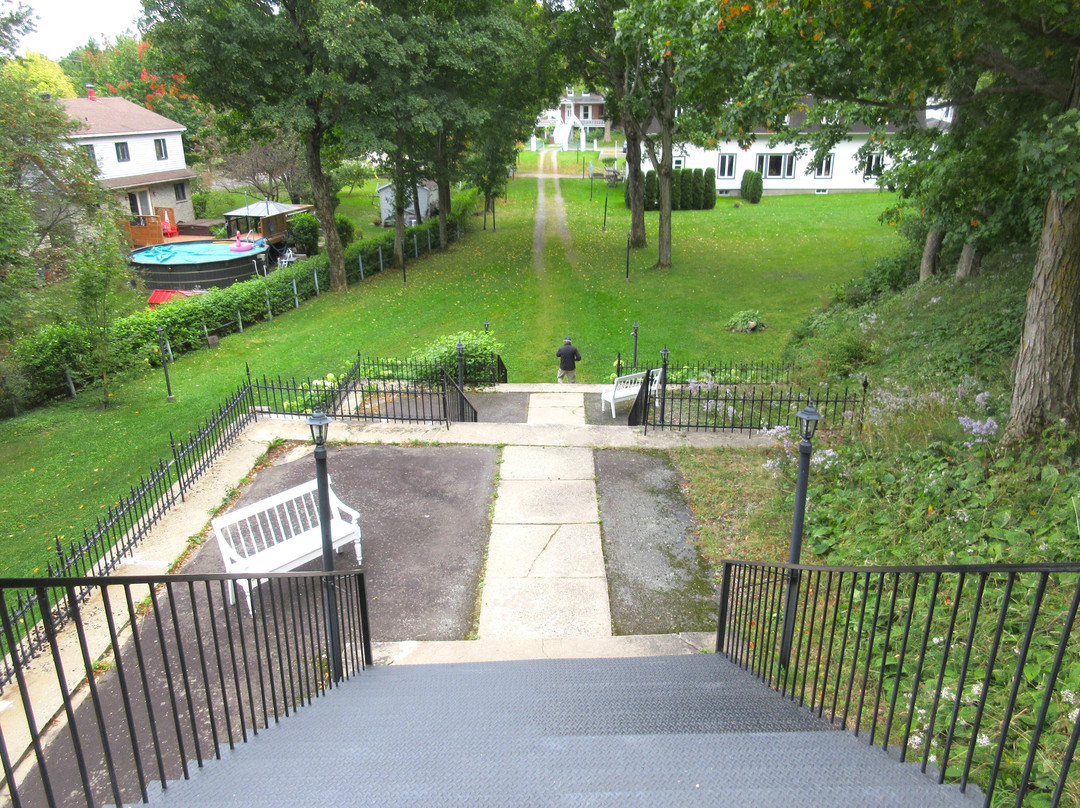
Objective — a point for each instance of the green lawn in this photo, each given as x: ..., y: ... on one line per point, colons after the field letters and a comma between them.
x: 64, y: 464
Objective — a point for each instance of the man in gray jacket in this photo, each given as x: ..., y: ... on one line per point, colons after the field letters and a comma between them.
x: 569, y: 356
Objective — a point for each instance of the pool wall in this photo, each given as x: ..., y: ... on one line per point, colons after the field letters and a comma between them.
x: 179, y: 268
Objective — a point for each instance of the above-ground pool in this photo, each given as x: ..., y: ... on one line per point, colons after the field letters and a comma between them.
x: 198, y: 264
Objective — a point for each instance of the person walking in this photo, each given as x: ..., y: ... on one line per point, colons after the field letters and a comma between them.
x: 568, y: 356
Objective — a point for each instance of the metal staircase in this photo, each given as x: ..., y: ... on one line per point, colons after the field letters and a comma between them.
x: 653, y: 731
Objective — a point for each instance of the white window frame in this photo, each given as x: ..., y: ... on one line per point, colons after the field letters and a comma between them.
x: 729, y: 173
x: 123, y: 153
x: 586, y: 112
x: 141, y: 198
x: 677, y: 163
x: 875, y: 164
x: 785, y: 164
x: 824, y: 169
x: 161, y: 149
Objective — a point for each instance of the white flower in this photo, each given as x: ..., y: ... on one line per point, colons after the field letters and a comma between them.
x: 983, y: 739
x: 1068, y: 696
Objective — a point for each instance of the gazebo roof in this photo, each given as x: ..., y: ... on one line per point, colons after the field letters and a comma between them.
x: 264, y: 209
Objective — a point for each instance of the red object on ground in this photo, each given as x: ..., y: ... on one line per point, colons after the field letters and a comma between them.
x: 159, y: 296
x: 168, y: 228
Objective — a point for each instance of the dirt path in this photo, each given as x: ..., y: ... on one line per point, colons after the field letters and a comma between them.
x: 555, y: 208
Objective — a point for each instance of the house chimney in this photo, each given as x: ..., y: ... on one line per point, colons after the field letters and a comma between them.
x: 90, y: 92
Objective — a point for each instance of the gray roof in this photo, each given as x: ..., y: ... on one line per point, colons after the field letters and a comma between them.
x: 115, y: 116
x: 265, y: 208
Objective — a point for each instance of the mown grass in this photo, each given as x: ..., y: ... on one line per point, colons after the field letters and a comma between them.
x: 63, y: 465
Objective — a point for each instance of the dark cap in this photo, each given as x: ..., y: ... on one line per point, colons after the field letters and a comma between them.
x: 567, y: 339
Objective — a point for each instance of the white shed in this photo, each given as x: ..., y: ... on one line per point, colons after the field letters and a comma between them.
x: 428, y: 193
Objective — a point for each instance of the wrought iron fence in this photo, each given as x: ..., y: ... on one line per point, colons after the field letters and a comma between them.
x: 385, y: 399
x: 727, y: 373
x: 127, y: 523
x: 185, y: 673
x: 702, y: 404
x: 480, y: 373
x: 970, y: 670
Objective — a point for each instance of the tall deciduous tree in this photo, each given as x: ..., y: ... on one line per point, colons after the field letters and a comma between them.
x: 893, y: 59
x: 268, y: 65
x: 586, y: 31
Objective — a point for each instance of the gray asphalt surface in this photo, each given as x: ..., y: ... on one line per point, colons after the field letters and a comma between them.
x: 657, y: 580
x: 424, y: 514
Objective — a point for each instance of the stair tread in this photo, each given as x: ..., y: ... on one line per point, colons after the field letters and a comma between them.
x: 642, y: 731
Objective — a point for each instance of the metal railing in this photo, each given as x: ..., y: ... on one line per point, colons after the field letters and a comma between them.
x: 127, y: 523
x: 161, y: 672
x: 405, y: 390
x: 970, y: 670
x: 696, y: 404
x: 728, y: 373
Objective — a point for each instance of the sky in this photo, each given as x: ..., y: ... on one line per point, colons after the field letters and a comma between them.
x: 64, y: 25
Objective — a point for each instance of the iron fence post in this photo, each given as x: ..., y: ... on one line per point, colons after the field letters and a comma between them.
x: 722, y: 612
x: 329, y: 595
x: 461, y: 380
x: 663, y: 382
x: 791, y: 598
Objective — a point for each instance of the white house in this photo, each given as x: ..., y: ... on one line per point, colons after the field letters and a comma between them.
x: 782, y: 170
x: 139, y: 154
x: 583, y: 110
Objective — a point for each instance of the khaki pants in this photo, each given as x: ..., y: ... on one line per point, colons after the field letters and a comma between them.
x: 569, y: 375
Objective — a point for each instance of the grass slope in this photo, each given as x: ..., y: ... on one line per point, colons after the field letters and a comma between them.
x: 64, y: 464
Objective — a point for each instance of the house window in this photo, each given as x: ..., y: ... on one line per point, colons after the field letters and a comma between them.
x: 678, y: 162
x: 875, y: 164
x: 586, y: 112
x: 776, y: 165
x: 180, y: 191
x: 139, y: 202
x: 725, y: 168
x: 122, y: 155
x: 89, y: 149
x: 160, y: 149
x: 823, y: 170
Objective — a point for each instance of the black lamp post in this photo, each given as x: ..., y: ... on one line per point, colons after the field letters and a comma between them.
x: 164, y: 363
x: 320, y: 425
x: 487, y: 325
x: 808, y: 420
x: 634, y: 332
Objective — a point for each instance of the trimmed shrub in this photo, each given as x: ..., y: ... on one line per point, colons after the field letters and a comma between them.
x: 686, y: 189
x: 346, y: 230
x: 751, y: 188
x: 709, y: 189
x: 480, y: 350
x: 697, y: 198
x: 304, y: 234
x: 652, y: 191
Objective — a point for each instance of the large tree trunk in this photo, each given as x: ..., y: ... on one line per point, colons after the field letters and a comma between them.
x: 931, y: 251
x: 442, y: 180
x: 635, y: 182
x: 970, y: 260
x: 665, y: 114
x: 401, y: 193
x: 1045, y: 371
x: 324, y: 209
x: 416, y: 202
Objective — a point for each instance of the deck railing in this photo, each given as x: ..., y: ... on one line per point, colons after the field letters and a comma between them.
x: 972, y: 671
x: 159, y: 673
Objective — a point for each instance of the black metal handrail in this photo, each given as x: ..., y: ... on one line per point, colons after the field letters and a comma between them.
x: 972, y: 669
x: 156, y: 672
x: 127, y: 523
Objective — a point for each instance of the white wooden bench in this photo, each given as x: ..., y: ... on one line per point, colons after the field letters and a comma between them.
x: 625, y: 388
x: 280, y: 533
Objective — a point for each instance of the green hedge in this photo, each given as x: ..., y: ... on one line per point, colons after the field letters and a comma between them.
x: 751, y: 189
x: 38, y: 360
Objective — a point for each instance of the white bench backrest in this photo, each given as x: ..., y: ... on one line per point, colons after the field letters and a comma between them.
x: 268, y: 522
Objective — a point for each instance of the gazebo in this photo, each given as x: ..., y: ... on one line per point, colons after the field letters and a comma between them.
x: 266, y: 218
